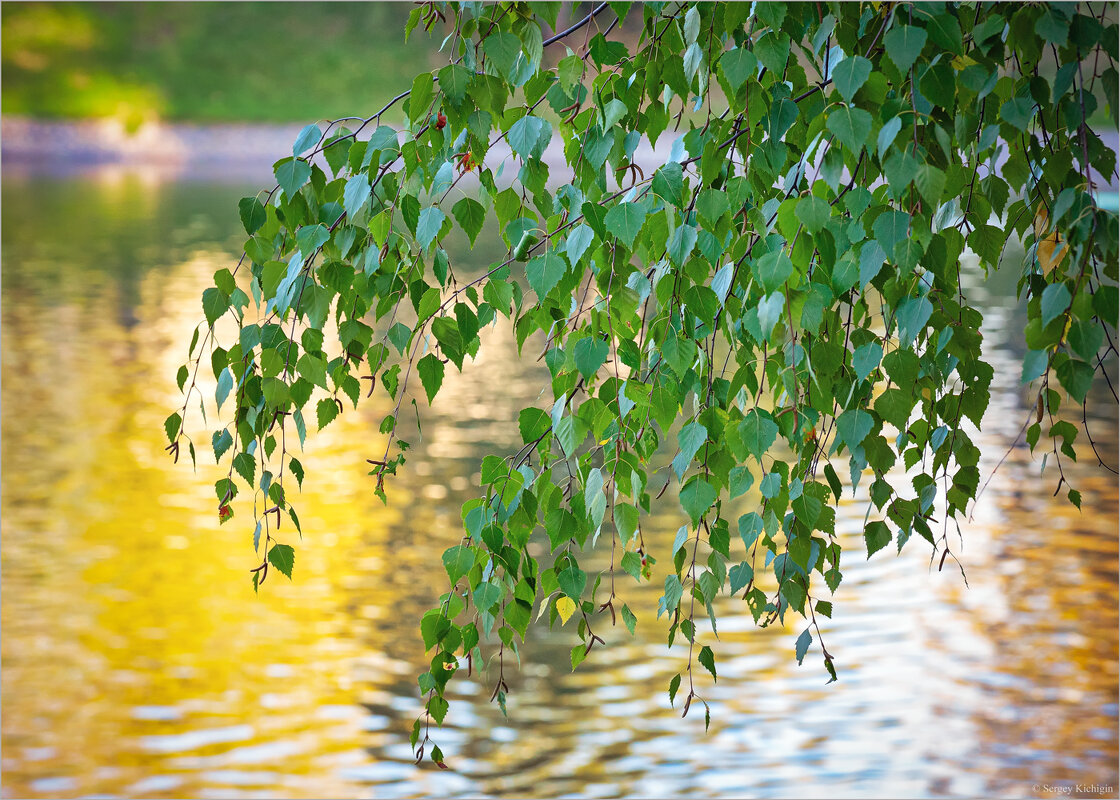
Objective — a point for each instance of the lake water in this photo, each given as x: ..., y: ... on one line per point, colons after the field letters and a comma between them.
x: 138, y: 662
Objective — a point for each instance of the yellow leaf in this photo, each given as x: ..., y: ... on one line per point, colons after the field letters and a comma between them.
x: 1052, y: 249
x: 565, y: 607
x: 1051, y: 253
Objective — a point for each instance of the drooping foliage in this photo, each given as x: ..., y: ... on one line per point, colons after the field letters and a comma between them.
x: 776, y: 311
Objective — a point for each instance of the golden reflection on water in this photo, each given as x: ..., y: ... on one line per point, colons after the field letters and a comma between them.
x: 138, y: 662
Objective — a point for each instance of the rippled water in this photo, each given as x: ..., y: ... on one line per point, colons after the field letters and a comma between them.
x: 138, y: 662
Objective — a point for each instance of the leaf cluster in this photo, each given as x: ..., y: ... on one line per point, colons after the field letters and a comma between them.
x: 770, y: 319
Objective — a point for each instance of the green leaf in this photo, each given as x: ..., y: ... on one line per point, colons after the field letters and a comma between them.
x: 326, y: 411
x: 851, y: 126
x: 741, y: 480
x: 458, y: 561
x: 770, y: 310
x: 399, y: 335
x: 1055, y: 302
x: 629, y: 618
x: 222, y: 441
x: 866, y: 358
x: 355, y: 194
x: 283, y: 557
x: 672, y: 597
x: 1085, y: 339
x: 894, y: 406
x: 171, y: 426
x: 225, y: 384
x: 428, y: 227
x: 739, y: 576
x: 931, y: 184
x: 877, y: 535
x: 772, y: 50
x: 739, y: 66
x: 1052, y: 27
x: 291, y: 174
x: 307, y: 138
x: 486, y: 595
x: 429, y: 305
x: 758, y: 431
x: 887, y: 135
x: 625, y: 221
x: 453, y: 81
x: 503, y: 49
x: 430, y: 368
x: 590, y: 354
x: 533, y: 424
x: 814, y: 213
x: 337, y: 151
x: 311, y: 237
x: 721, y: 281
x: 529, y: 136
x: 297, y: 470
x: 579, y: 653
x: 708, y: 660
x: 697, y: 497
x: 572, y: 581
x: 668, y: 183
x: 214, y: 303
x: 690, y: 439
x: 681, y: 243
x: 625, y: 521
x: 946, y: 32
x: 1017, y: 112
x: 938, y: 84
x: 750, y: 527
x: 903, y: 44
x: 420, y: 97
x: 595, y: 502
x: 579, y: 239
x: 802, y: 645
x: 544, y: 272
x: 774, y: 269
x: 252, y: 214
x: 470, y: 215
x: 569, y: 71
x: 850, y: 74
x: 1076, y: 378
x: 912, y: 315
x: 853, y: 426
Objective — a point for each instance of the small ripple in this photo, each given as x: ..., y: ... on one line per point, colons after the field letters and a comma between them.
x: 157, y: 713
x: 238, y: 777
x: 155, y: 783
x: 54, y: 785
x: 193, y: 740
x: 379, y: 773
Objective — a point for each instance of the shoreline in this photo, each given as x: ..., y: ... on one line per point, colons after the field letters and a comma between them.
x: 213, y: 151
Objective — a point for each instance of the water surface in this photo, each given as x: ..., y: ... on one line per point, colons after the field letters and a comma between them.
x: 138, y: 662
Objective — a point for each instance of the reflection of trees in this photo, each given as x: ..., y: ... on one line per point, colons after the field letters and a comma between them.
x: 109, y: 229
x: 1032, y: 655
x: 119, y: 591
x: 1043, y: 692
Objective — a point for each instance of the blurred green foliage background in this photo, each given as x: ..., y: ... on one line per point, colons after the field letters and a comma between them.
x: 214, y: 61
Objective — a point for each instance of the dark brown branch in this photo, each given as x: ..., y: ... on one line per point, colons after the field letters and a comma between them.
x: 557, y: 37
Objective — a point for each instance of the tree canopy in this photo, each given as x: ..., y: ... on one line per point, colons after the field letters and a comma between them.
x: 771, y: 318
